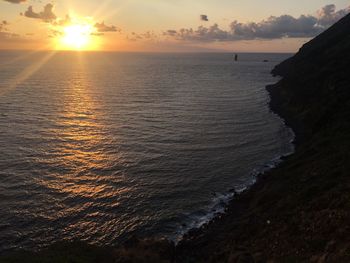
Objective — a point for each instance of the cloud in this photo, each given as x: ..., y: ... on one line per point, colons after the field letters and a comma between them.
x: 5, y: 35
x: 103, y: 28
x: 170, y: 32
x: 62, y: 21
x: 147, y: 36
x: 8, y: 36
x: 2, y: 25
x: 46, y: 15
x: 275, y: 27
x: 328, y: 15
x: 204, y: 18
x: 15, y: 1
x: 200, y: 34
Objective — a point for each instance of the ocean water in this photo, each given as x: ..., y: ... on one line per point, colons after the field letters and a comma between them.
x: 103, y: 146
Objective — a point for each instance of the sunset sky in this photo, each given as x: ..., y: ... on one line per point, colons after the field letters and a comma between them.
x: 165, y: 25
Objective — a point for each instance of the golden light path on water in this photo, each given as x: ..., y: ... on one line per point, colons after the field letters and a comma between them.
x: 80, y: 150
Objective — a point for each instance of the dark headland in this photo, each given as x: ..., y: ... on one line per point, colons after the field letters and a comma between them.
x: 297, y: 212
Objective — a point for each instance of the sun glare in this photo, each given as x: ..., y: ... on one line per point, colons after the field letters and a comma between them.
x: 77, y: 36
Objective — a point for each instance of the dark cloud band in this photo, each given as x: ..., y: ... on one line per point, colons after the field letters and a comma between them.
x: 284, y: 26
x: 15, y: 1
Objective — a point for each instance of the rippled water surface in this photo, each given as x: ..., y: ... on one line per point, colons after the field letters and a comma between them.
x: 99, y: 146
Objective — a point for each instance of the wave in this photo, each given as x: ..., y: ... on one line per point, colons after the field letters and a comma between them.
x: 220, y: 201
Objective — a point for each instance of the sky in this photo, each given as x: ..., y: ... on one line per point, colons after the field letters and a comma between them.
x: 166, y: 25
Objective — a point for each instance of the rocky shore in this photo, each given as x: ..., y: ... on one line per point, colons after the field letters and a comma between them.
x: 297, y: 212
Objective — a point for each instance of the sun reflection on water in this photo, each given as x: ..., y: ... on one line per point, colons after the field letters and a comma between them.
x: 82, y: 161
x: 85, y: 171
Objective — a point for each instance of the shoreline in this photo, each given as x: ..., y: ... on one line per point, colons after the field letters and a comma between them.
x: 233, y: 193
x: 236, y: 206
x: 221, y: 202
x: 261, y: 175
x: 290, y: 121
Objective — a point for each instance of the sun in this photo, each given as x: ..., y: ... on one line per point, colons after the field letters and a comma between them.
x: 77, y: 36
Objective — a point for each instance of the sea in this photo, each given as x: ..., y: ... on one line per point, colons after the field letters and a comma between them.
x: 103, y: 146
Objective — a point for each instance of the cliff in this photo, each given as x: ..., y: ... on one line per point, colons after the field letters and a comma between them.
x: 314, y: 86
x: 297, y: 212
x: 300, y: 211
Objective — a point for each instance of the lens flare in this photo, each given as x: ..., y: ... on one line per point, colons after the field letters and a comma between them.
x: 77, y: 35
